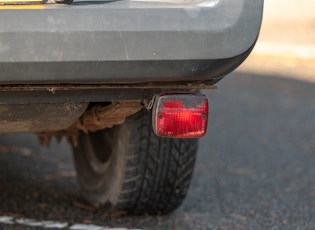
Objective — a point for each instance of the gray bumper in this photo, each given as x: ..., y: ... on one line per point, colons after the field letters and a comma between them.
x: 123, y: 41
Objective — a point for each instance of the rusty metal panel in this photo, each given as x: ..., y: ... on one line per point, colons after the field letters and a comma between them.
x: 96, y: 117
x: 39, y: 117
x: 18, y: 94
x: 101, y: 117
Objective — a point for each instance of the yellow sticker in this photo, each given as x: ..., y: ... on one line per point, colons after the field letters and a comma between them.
x: 18, y: 1
x: 22, y: 7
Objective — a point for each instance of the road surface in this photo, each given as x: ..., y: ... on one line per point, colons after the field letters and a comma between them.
x: 255, y: 168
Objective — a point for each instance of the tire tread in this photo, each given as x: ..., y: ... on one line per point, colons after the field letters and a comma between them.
x: 164, y: 171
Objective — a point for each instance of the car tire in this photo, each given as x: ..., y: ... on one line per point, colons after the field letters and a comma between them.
x: 128, y: 168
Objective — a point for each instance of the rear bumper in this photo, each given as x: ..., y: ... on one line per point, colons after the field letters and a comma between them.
x: 126, y: 41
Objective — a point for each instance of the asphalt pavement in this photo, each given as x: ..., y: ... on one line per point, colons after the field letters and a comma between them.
x: 255, y: 168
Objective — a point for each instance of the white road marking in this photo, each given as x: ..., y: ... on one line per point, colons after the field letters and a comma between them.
x: 275, y: 49
x: 283, y: 60
x: 6, y: 220
x: 54, y: 224
x: 44, y: 224
x: 94, y: 227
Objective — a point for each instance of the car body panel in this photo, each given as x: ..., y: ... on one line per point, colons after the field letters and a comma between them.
x: 124, y: 41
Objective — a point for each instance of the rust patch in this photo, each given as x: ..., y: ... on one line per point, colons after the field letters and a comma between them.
x: 185, y: 85
x: 39, y: 117
x: 93, y: 119
x: 101, y: 117
x: 72, y: 136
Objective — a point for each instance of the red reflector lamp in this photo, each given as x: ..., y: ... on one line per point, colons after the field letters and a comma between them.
x: 180, y: 115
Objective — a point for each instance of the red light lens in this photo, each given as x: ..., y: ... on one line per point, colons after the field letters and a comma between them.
x: 181, y: 115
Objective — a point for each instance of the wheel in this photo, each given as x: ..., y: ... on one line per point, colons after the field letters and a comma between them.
x: 130, y: 169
